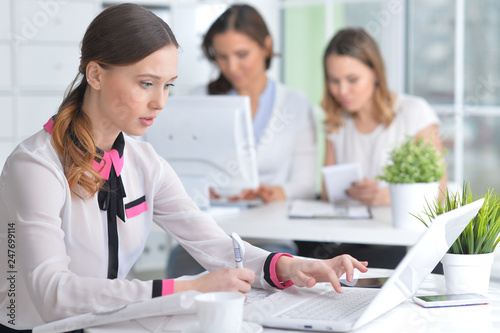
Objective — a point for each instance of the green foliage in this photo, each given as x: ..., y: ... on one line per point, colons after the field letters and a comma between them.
x: 482, y: 233
x: 415, y: 161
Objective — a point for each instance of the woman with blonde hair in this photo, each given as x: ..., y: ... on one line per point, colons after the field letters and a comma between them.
x: 364, y: 120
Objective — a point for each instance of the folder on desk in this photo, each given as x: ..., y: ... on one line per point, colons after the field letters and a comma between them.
x: 308, y: 209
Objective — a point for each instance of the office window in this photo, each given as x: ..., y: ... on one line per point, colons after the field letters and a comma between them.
x: 431, y: 50
x: 482, y: 53
x: 430, y: 70
x: 446, y: 51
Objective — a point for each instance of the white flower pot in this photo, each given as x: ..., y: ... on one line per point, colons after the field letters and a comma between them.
x: 467, y: 273
x: 411, y: 198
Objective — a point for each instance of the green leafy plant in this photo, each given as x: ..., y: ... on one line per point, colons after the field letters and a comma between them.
x: 482, y: 233
x: 414, y: 161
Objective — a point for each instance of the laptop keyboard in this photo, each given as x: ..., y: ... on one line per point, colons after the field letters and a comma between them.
x: 331, y: 305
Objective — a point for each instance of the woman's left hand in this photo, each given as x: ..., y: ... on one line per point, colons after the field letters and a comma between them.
x: 266, y: 193
x: 271, y: 193
x: 306, y: 273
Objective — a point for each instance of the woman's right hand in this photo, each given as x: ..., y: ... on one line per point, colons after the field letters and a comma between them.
x: 367, y: 192
x: 226, y: 279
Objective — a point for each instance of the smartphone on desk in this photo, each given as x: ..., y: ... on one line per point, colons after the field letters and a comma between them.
x: 437, y: 301
x: 376, y: 282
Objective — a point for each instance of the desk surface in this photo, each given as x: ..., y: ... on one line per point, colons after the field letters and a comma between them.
x: 407, y: 317
x: 270, y: 221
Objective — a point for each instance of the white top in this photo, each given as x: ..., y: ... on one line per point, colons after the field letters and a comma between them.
x: 286, y: 152
x: 413, y: 114
x: 54, y: 245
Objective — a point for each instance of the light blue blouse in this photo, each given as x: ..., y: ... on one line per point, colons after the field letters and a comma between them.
x: 265, y: 110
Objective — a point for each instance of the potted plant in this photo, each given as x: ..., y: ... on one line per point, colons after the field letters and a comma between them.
x: 467, y: 264
x: 413, y: 172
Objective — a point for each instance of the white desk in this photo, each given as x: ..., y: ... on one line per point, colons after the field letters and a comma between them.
x: 407, y: 317
x: 271, y: 221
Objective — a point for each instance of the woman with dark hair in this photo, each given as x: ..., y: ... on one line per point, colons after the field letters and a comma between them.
x: 239, y: 44
x: 364, y: 120
x: 78, y: 198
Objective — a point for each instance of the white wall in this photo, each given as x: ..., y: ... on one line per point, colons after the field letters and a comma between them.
x: 39, y: 52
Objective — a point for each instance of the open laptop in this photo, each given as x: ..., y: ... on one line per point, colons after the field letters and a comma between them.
x: 322, y: 309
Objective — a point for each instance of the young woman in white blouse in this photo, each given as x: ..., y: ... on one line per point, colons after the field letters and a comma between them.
x: 364, y: 120
x: 79, y: 197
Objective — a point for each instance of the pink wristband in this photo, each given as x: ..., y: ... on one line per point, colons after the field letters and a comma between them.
x: 272, y: 271
x: 167, y: 287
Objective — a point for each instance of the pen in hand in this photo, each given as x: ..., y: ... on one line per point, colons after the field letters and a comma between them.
x: 239, y: 250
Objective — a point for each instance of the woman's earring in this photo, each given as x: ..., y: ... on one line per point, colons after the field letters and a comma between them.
x: 95, y: 86
x: 377, y: 81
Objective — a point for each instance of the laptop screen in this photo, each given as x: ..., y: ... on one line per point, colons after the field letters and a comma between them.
x: 421, y: 259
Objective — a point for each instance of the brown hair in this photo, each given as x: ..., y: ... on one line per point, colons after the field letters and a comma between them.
x: 357, y: 43
x: 121, y: 35
x: 240, y: 18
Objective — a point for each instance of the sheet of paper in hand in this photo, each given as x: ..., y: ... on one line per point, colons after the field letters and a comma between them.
x: 339, y: 177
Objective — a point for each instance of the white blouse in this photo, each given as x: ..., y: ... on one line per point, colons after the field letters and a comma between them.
x: 54, y: 244
x: 286, y: 152
x: 413, y: 114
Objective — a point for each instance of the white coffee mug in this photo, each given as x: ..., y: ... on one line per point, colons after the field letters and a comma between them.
x: 220, y: 312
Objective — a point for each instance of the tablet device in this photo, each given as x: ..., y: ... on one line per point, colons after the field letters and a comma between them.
x: 339, y: 177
